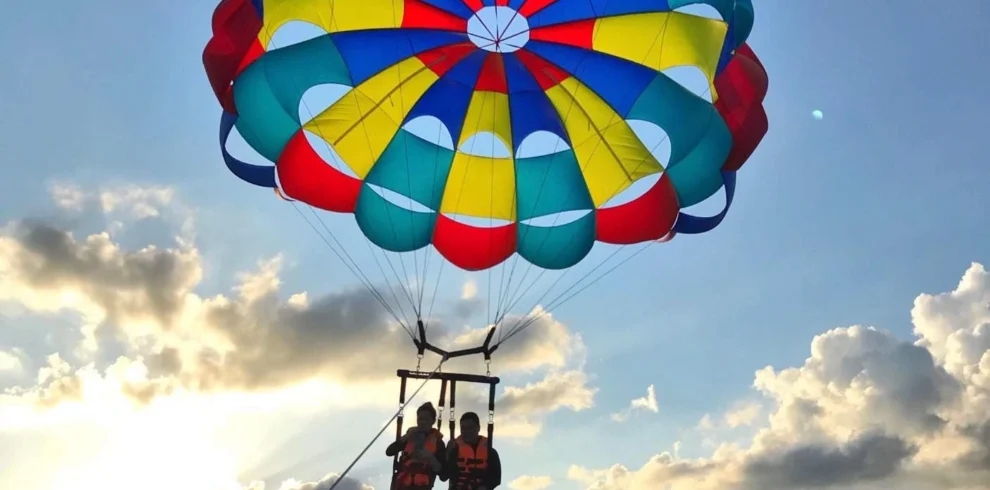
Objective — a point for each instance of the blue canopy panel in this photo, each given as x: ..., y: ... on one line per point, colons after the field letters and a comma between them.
x: 368, y: 52
x: 448, y: 98
x: 456, y: 7
x: 259, y: 175
x: 563, y: 11
x: 529, y: 105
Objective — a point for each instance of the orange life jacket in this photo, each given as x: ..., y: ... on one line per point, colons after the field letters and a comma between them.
x: 472, y: 464
x: 414, y: 473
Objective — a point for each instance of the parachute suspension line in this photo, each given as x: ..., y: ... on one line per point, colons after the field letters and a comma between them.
x: 436, y: 287
x: 521, y: 325
x: 421, y: 279
x: 430, y: 248
x: 561, y: 298
x: 571, y: 105
x: 357, y: 272
x: 368, y: 241
x: 398, y: 279
x: 504, y: 286
x: 515, y: 260
x: 336, y: 164
x: 524, y: 323
x: 344, y: 249
x: 397, y: 414
x: 545, y: 293
x: 460, y: 192
x: 404, y: 279
x: 417, y: 306
x: 555, y: 303
x: 494, y: 320
x: 491, y: 206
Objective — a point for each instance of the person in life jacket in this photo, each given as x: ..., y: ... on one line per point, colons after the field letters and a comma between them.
x: 422, y: 452
x: 471, y: 463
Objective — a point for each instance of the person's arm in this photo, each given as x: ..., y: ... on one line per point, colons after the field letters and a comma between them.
x: 493, y: 478
x: 395, y: 447
x: 400, y: 443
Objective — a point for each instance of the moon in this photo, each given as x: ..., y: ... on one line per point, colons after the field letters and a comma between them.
x: 817, y: 114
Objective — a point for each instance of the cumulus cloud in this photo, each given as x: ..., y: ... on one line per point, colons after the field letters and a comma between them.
x: 646, y: 403
x: 527, y: 482
x: 521, y: 407
x: 865, y: 411
x: 322, y: 484
x: 149, y: 333
x: 862, y: 459
x: 252, y: 340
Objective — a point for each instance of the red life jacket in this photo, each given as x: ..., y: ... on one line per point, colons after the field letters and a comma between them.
x: 416, y: 474
x: 472, y: 464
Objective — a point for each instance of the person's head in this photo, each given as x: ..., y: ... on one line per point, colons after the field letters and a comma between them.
x: 470, y: 427
x: 426, y: 415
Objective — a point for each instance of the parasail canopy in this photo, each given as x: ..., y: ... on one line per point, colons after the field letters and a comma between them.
x: 554, y: 86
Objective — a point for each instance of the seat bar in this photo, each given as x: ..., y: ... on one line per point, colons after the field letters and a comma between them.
x: 468, y: 378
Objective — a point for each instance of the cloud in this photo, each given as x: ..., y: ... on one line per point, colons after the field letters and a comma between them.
x: 866, y: 458
x: 469, y: 303
x: 520, y: 408
x: 10, y: 361
x: 48, y: 269
x: 527, y: 482
x: 545, y: 342
x: 136, y: 201
x: 252, y: 340
x: 146, y: 332
x: 646, y: 403
x: 469, y: 290
x: 140, y: 202
x: 865, y: 411
x: 124, y: 204
x: 323, y: 484
x: 744, y: 413
x: 68, y: 196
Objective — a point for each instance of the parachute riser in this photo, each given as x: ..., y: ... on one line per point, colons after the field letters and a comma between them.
x: 422, y: 345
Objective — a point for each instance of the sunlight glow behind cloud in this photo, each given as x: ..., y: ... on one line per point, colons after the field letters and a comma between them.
x: 173, y: 382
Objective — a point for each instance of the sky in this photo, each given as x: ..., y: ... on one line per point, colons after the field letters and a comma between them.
x: 161, y: 320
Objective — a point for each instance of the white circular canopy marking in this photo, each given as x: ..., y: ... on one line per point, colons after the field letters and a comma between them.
x: 498, y: 29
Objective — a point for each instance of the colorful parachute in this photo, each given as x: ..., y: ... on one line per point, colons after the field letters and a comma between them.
x: 576, y: 69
